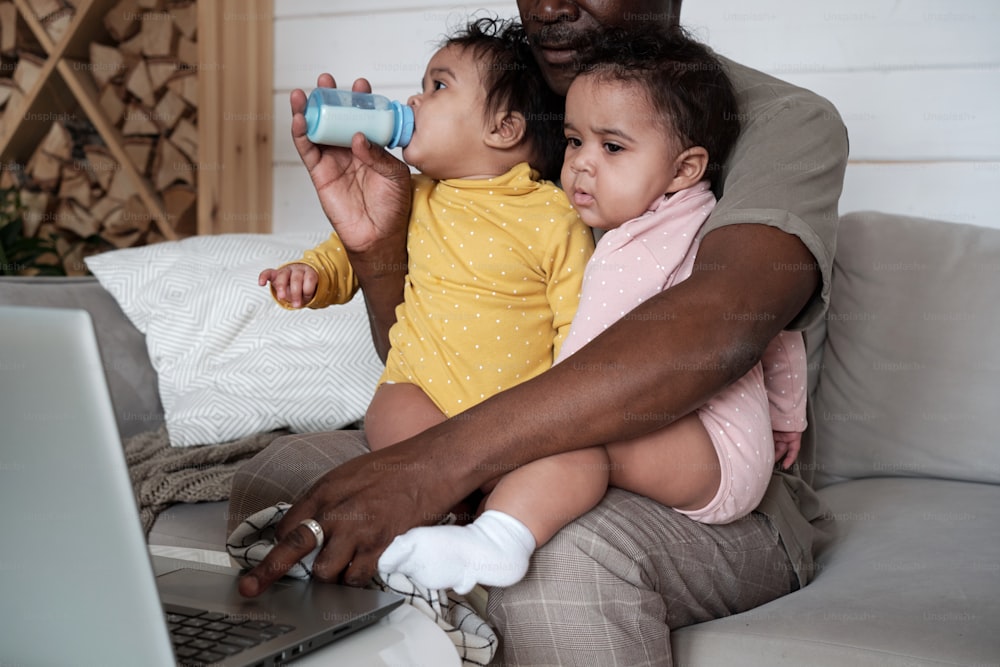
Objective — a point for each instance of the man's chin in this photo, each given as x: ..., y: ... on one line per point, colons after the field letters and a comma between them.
x: 558, y: 77
x: 558, y: 73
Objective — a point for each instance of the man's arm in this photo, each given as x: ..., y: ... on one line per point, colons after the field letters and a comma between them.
x: 664, y: 359
x: 677, y: 350
x: 365, y: 193
x: 381, y: 275
x: 770, y: 243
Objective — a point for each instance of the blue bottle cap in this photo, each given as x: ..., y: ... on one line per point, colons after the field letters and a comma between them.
x: 403, y: 131
x: 313, y: 105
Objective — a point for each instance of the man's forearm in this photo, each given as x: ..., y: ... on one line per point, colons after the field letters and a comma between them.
x: 662, y: 360
x: 381, y: 273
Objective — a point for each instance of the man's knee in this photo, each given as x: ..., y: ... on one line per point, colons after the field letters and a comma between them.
x: 607, y: 576
x: 285, y: 469
x: 584, y: 560
x: 580, y: 584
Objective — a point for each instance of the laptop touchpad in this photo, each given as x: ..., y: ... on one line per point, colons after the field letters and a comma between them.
x: 220, y: 590
x: 325, y: 604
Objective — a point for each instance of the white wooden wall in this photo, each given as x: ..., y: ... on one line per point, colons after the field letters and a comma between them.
x: 917, y: 82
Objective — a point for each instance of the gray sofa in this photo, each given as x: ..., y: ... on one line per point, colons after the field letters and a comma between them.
x: 905, y: 381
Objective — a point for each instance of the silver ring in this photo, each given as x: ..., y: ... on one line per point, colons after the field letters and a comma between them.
x: 315, y: 529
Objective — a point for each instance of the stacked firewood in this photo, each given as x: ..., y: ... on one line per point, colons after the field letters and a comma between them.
x: 21, y: 59
x: 142, y: 77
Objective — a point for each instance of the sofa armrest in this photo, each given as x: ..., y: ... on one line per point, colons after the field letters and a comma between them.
x: 131, y: 378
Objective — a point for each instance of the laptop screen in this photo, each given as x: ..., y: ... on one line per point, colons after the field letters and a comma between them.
x: 76, y: 581
x: 75, y: 572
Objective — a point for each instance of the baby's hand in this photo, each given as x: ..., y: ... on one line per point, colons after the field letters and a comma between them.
x: 786, y: 448
x: 294, y: 284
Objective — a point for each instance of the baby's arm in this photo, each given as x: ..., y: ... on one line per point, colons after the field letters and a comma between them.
x: 784, y: 363
x: 322, y: 277
x: 293, y: 284
x: 786, y: 447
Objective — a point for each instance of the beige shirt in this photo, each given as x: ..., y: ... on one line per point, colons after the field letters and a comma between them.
x: 787, y: 171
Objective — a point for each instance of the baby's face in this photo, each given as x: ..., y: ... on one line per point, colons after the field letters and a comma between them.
x: 448, y: 123
x: 619, y: 160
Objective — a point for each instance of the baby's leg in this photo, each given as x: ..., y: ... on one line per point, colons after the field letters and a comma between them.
x: 527, y: 507
x: 399, y: 411
x: 548, y: 493
x: 714, y: 465
x: 676, y: 466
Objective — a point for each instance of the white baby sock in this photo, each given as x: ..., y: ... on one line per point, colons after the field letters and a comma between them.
x: 493, y: 550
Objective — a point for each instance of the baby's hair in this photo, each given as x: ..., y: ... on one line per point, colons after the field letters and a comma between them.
x: 514, y: 82
x: 683, y: 79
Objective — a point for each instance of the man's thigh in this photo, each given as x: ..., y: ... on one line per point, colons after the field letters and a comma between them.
x: 609, y: 587
x: 287, y: 468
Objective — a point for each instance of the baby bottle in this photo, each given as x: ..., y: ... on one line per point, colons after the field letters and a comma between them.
x: 333, y: 116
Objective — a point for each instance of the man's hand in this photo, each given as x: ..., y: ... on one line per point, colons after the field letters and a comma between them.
x: 365, y: 193
x: 364, y: 190
x: 362, y: 506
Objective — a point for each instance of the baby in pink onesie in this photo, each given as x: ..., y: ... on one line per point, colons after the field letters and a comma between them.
x: 649, y: 122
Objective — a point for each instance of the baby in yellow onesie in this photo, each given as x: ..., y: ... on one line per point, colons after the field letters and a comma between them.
x: 496, y: 254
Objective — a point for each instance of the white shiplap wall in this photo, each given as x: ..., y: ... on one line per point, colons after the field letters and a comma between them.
x: 917, y: 82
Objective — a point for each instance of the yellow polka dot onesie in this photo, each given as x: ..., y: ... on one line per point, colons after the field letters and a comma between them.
x: 495, y: 269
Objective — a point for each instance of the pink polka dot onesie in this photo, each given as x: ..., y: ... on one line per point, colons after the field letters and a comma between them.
x: 650, y: 253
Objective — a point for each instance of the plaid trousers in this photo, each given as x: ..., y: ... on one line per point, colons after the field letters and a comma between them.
x: 605, y: 591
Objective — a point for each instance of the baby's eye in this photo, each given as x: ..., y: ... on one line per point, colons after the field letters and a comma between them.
x: 574, y: 142
x: 439, y: 85
x: 613, y: 148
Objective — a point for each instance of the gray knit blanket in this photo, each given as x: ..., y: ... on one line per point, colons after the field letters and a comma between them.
x: 163, y: 475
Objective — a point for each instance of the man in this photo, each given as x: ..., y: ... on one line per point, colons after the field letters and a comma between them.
x: 610, y: 586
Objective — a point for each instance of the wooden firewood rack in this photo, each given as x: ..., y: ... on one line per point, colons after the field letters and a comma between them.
x: 176, y: 96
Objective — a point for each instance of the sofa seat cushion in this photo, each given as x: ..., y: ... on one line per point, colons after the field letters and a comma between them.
x: 192, y: 525
x: 911, y: 576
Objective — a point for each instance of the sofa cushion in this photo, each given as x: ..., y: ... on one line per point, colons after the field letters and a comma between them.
x: 131, y: 378
x: 910, y: 381
x: 192, y: 526
x: 911, y: 577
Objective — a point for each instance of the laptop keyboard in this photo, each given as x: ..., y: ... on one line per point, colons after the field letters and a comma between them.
x: 202, y: 637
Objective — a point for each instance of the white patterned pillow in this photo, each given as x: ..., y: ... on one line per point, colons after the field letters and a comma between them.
x: 231, y: 362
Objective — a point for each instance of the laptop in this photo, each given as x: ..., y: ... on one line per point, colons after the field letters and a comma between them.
x: 77, y: 582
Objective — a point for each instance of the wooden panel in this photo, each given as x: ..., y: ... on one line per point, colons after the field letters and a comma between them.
x: 281, y: 114
x: 322, y: 8
x: 391, y: 50
x: 296, y: 207
x: 780, y: 36
x: 774, y: 35
x: 890, y: 111
x: 953, y: 191
x: 930, y: 114
x: 917, y: 82
x: 889, y: 115
x: 235, y: 43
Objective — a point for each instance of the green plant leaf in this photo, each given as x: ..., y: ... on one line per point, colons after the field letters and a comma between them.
x: 18, y: 253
